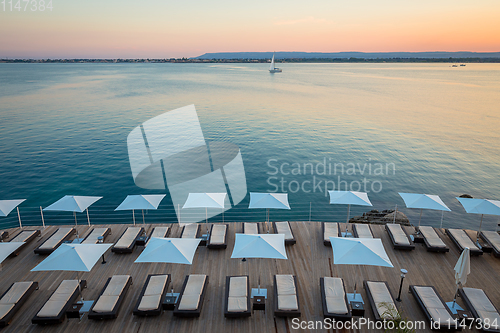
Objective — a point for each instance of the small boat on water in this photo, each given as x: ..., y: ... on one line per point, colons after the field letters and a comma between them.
x: 462, y: 65
x: 454, y: 65
x: 272, y: 68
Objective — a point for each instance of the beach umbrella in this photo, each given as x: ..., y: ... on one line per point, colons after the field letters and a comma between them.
x: 7, y: 248
x: 349, y: 198
x: 205, y: 200
x: 169, y: 250
x: 263, y: 246
x: 133, y: 202
x: 269, y: 200
x: 6, y: 206
x: 462, y: 270
x: 359, y: 251
x: 480, y: 206
x: 73, y: 257
x: 424, y: 201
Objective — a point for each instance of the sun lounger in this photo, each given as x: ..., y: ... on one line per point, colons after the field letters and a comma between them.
x: 493, y: 240
x: 381, y: 300
x: 462, y: 240
x: 361, y: 230
x: 4, y: 235
x: 432, y: 241
x: 434, y: 308
x: 12, y: 300
x: 237, y: 302
x: 55, y: 240
x: 93, y: 237
x: 218, y: 237
x: 399, y: 237
x: 251, y: 228
x: 330, y: 230
x: 286, y: 300
x: 25, y: 236
x: 286, y: 229
x: 334, y: 298
x: 158, y: 232
x: 152, y: 295
x: 481, y: 307
x: 111, y: 297
x: 192, y: 296
x: 191, y: 230
x: 54, y: 310
x: 127, y: 241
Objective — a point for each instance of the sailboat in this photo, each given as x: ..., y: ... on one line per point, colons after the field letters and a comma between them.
x: 273, y: 69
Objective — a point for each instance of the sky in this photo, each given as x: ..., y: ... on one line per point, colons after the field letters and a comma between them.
x: 188, y: 28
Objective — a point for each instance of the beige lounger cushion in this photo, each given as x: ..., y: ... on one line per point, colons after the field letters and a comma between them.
x: 238, y: 293
x: 4, y: 309
x: 237, y: 304
x: 105, y: 303
x: 189, y: 302
x: 284, y: 228
x: 191, y: 295
x: 335, y: 295
x: 92, y: 238
x: 23, y: 236
x: 384, y: 303
x: 151, y: 302
x: 331, y: 230
x: 111, y: 294
x: 287, y: 294
x: 59, y: 299
x: 16, y: 292
x: 363, y: 230
x: 56, y: 238
x: 128, y: 237
x: 398, y: 234
x: 190, y: 230
x: 432, y: 237
x: 482, y: 305
x: 463, y: 239
x: 218, y: 234
x: 434, y: 305
x: 251, y: 228
x: 160, y: 232
x: 152, y: 295
x: 494, y: 238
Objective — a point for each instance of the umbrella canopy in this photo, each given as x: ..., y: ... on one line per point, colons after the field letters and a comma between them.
x: 205, y: 200
x: 6, y: 206
x: 73, y: 257
x: 424, y: 201
x: 132, y: 202
x: 349, y: 198
x: 169, y: 250
x: 271, y: 246
x: 462, y: 268
x: 7, y: 248
x: 480, y: 206
x: 269, y: 200
x: 359, y: 251
x: 70, y: 203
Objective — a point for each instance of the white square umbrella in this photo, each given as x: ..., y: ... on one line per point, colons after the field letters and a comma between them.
x: 6, y: 206
x: 462, y: 270
x: 73, y: 203
x: 142, y: 201
x: 424, y: 201
x: 169, y: 250
x: 480, y: 206
x: 205, y: 200
x: 269, y: 200
x: 7, y: 248
x: 349, y: 198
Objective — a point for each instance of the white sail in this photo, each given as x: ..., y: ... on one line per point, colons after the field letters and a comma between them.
x: 271, y: 68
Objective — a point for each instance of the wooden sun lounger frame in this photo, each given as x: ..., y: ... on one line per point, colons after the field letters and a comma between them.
x: 243, y: 227
x: 327, y: 242
x: 113, y: 313
x: 287, y: 241
x: 190, y: 313
x: 286, y: 313
x: 29, y: 240
x: 472, y: 309
x: 431, y: 248
x: 62, y: 315
x: 246, y: 313
x: 409, y: 247
x: 496, y: 252
x: 106, y: 234
x: 154, y: 312
x: 198, y: 231
x: 372, y: 301
x: 460, y: 248
x: 6, y: 320
x: 355, y: 230
x: 217, y: 246
x: 131, y: 247
x: 336, y: 316
x: 39, y: 250
x: 443, y: 326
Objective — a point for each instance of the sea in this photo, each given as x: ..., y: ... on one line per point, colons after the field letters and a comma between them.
x: 378, y: 128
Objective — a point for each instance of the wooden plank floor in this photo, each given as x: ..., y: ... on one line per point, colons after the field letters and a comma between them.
x: 309, y: 260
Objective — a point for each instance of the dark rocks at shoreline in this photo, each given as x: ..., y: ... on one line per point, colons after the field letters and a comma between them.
x: 386, y: 216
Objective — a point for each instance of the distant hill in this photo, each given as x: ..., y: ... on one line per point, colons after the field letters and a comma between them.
x: 347, y: 55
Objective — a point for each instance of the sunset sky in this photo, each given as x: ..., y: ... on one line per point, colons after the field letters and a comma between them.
x: 164, y: 29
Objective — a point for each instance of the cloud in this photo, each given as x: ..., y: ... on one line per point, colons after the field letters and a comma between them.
x: 308, y: 19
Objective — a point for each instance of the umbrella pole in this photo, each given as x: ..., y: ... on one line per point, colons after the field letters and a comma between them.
x: 395, y: 213
x: 88, y: 218
x: 179, y: 210
x: 76, y: 226
x: 143, y: 216
x: 19, y: 216
x: 347, y: 223
x: 442, y: 216
x: 41, y: 213
x: 480, y: 224
x: 133, y: 216
x: 420, y: 219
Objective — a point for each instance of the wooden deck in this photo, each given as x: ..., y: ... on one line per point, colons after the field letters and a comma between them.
x: 309, y: 260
